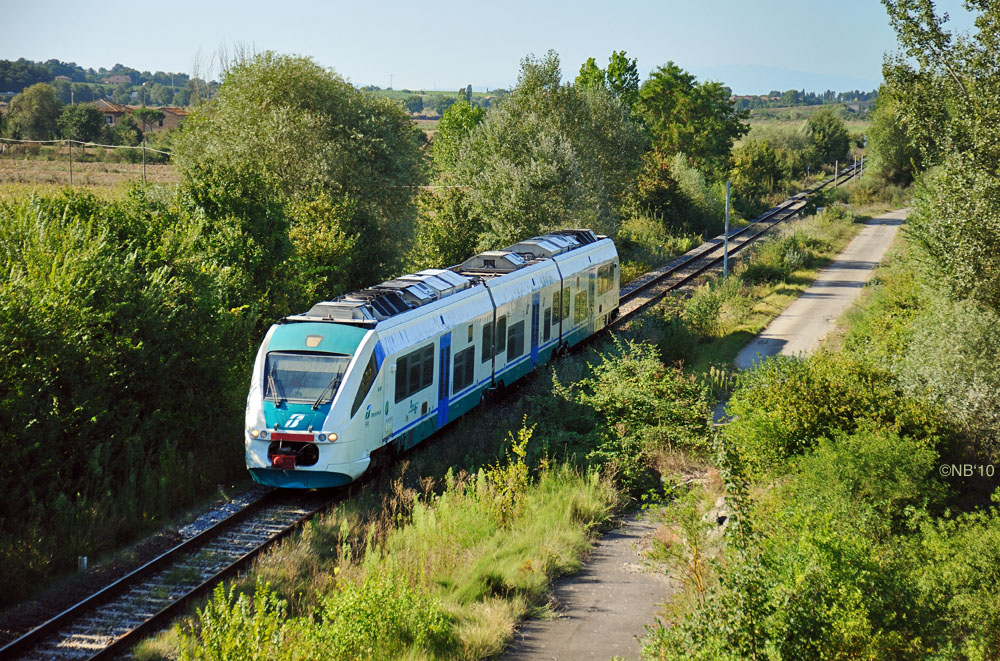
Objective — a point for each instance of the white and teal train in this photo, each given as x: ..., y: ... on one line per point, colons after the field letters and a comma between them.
x: 357, y: 379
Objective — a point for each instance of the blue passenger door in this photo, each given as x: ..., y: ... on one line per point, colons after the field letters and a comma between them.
x: 535, y: 305
x: 443, y: 381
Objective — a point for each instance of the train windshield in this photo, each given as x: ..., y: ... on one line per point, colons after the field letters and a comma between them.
x: 309, y: 378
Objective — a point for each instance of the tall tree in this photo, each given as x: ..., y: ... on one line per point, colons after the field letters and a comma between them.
x: 310, y: 134
x: 81, y: 122
x: 948, y: 88
x: 34, y: 113
x: 591, y: 75
x: 829, y: 137
x: 623, y: 77
x: 456, y: 124
x: 147, y: 117
x: 697, y: 119
x: 892, y: 154
x: 550, y: 155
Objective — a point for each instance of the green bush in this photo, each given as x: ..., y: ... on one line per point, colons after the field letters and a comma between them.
x: 953, y: 359
x: 830, y: 578
x: 785, y: 405
x: 621, y: 409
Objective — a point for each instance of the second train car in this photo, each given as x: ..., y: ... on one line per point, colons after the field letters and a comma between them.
x: 374, y: 372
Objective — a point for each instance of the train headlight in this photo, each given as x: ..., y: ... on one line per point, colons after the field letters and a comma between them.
x: 331, y: 437
x: 263, y: 434
x: 254, y: 432
x: 321, y: 437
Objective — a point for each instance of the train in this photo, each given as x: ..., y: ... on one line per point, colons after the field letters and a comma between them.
x: 352, y: 382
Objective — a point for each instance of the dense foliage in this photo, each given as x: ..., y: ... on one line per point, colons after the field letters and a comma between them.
x: 120, y: 324
x: 947, y: 87
x: 597, y: 153
x: 306, y: 134
x: 550, y: 155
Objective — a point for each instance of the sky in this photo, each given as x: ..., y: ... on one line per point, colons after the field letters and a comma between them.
x: 751, y: 46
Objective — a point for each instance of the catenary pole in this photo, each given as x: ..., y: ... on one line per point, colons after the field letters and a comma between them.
x: 725, y: 254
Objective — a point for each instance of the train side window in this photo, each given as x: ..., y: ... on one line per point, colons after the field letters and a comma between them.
x: 427, y: 374
x: 487, y: 341
x: 414, y: 372
x: 605, y: 278
x: 580, y: 313
x: 367, y: 379
x: 465, y: 362
x: 556, y: 306
x: 565, y: 304
x: 501, y: 334
x: 470, y: 332
x: 547, y: 325
x: 515, y: 341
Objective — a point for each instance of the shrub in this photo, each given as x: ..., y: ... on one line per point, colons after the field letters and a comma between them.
x: 954, y: 360
x: 782, y: 407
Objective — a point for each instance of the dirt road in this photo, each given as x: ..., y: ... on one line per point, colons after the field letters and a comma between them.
x: 800, y: 328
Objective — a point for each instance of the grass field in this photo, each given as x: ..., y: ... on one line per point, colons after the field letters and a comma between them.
x: 20, y: 176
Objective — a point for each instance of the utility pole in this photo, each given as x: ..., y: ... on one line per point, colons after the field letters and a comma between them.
x: 725, y: 254
x: 836, y: 172
x: 69, y: 143
x: 143, y: 159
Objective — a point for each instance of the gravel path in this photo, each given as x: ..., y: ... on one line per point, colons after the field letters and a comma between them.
x: 803, y: 325
x: 603, y: 610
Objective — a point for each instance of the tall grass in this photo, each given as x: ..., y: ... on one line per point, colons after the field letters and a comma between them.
x: 444, y: 573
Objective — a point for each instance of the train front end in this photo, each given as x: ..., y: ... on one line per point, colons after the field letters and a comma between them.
x: 300, y: 429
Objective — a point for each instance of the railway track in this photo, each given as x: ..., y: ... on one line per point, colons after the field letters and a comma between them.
x: 110, y: 621
x: 651, y: 287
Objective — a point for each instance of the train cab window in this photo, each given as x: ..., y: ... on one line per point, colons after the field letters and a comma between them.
x: 367, y: 379
x: 464, y: 372
x: 501, y: 335
x: 547, y: 325
x: 304, y: 378
x: 487, y: 341
x: 515, y: 341
x: 580, y: 313
x: 414, y: 372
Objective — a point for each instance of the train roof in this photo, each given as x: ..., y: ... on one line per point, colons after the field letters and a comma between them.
x: 369, y: 306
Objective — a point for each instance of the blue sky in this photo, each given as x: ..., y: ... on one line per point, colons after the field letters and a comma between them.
x: 751, y: 46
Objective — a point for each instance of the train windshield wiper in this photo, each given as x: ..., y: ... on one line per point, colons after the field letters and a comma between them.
x: 274, y: 388
x: 331, y: 387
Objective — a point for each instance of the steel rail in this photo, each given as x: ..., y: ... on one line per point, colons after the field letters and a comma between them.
x: 41, y: 636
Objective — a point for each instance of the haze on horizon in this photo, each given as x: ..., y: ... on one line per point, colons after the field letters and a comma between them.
x: 751, y: 47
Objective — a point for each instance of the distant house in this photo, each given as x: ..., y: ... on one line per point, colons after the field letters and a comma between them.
x: 172, y: 117
x: 115, y: 112
x: 117, y: 78
x: 66, y: 78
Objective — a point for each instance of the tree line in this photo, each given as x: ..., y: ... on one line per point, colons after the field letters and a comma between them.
x: 38, y: 114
